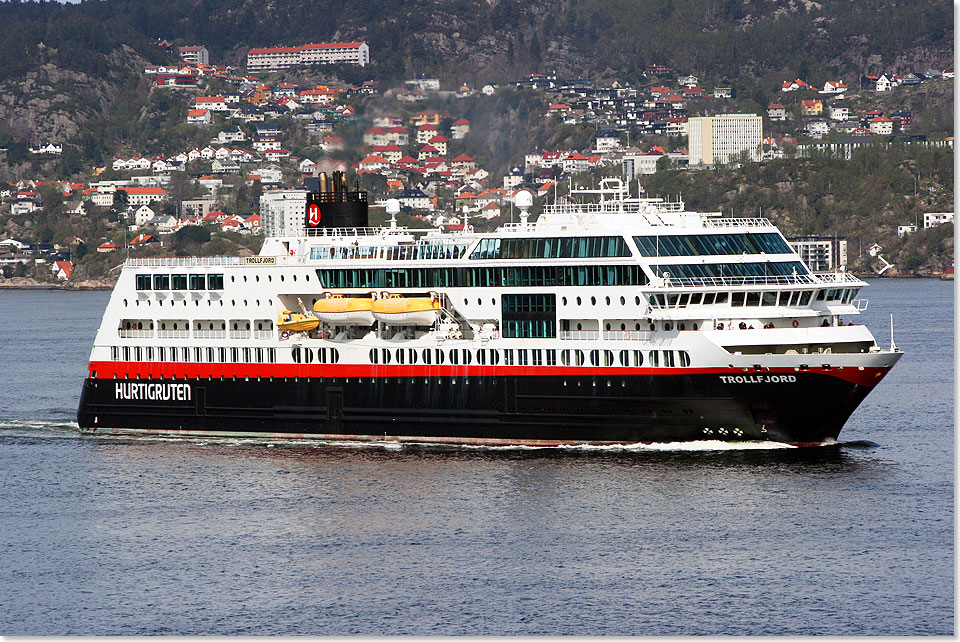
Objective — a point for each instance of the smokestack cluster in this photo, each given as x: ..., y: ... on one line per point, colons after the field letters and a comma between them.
x: 334, y: 189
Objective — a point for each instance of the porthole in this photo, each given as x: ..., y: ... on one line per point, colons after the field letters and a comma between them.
x: 465, y: 302
x: 294, y: 277
x: 623, y: 301
x: 125, y: 303
x: 281, y: 277
x: 579, y: 326
x: 623, y: 326
x: 564, y: 300
x: 269, y: 278
x: 652, y: 327
x: 493, y: 302
x: 233, y: 302
x: 667, y: 327
x: 232, y: 278
x: 479, y: 302
x: 307, y: 277
x: 579, y: 302
x: 244, y: 278
x: 608, y: 327
x: 593, y: 300
x: 695, y: 326
x: 244, y: 303
x: 637, y: 300
x: 608, y: 300
x: 257, y: 278
x: 683, y: 326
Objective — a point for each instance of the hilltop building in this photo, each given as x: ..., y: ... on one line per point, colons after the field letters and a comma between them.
x: 821, y: 253
x: 354, y: 53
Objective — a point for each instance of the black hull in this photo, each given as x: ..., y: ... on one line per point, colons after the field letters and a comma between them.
x: 803, y: 408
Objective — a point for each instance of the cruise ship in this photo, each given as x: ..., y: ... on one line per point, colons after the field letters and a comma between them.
x: 610, y: 319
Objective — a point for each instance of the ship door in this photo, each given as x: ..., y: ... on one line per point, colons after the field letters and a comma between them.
x: 201, y: 397
x: 334, y: 404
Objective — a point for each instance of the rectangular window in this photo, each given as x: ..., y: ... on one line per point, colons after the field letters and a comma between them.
x: 214, y: 281
x: 508, y: 357
x: 198, y: 282
x: 161, y: 281
x: 529, y: 315
x: 144, y: 282
x: 522, y: 358
x: 178, y: 281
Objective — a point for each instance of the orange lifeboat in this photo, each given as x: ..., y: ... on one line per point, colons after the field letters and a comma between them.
x: 341, y: 310
x: 397, y: 310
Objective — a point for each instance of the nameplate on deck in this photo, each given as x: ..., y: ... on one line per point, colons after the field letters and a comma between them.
x: 260, y: 260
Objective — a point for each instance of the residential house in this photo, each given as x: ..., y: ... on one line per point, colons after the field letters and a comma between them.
x: 833, y: 87
x: 417, y: 199
x: 62, y: 269
x: 933, y: 219
x: 886, y: 82
x: 459, y: 128
x: 811, y: 107
x: 425, y: 132
x: 839, y: 112
x: 881, y: 125
x: 213, y: 103
x: 817, y: 128
x: 141, y: 215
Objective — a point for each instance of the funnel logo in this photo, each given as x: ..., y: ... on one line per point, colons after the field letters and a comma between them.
x: 313, y: 214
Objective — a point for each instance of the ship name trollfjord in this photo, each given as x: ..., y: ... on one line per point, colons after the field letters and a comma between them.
x: 609, y: 320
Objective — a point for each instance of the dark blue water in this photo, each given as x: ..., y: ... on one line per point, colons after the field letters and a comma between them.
x: 135, y: 537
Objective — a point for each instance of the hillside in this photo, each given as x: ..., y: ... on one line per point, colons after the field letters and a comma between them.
x: 67, y: 65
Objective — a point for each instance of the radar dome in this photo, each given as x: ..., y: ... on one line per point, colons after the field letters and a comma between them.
x: 524, y: 199
x: 393, y: 206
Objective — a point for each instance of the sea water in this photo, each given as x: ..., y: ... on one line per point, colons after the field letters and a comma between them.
x: 163, y: 536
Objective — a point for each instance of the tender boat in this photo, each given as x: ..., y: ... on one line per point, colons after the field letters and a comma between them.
x: 296, y: 322
x: 340, y: 310
x: 394, y: 309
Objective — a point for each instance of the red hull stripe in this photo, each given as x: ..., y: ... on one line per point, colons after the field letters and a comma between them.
x: 156, y: 370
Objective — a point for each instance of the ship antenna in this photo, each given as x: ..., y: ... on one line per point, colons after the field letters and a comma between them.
x: 893, y: 344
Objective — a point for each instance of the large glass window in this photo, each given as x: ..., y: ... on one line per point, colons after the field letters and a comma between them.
x: 178, y: 281
x: 518, y: 276
x: 144, y: 281
x: 529, y: 315
x: 161, y: 282
x: 551, y: 248
x: 704, y: 273
x: 214, y: 281
x: 712, y: 244
x: 198, y: 282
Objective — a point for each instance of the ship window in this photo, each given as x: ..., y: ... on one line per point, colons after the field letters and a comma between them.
x: 712, y: 244
x: 198, y: 282
x: 654, y: 359
x: 805, y: 297
x: 454, y: 359
x: 235, y: 355
x: 508, y: 357
x: 696, y: 298
x: 222, y: 354
x: 334, y: 355
x: 708, y: 298
x: 178, y: 281
x: 173, y: 354
x: 565, y: 357
x: 426, y: 356
x: 246, y: 355
x: 439, y: 355
x: 668, y: 358
x: 307, y: 355
x: 551, y: 357
x: 684, y: 359
x: 608, y: 357
x: 494, y: 357
x: 579, y: 357
x: 594, y: 357
x: 624, y: 357
x: 198, y: 355
x: 143, y: 281
x: 537, y: 357
x: 637, y: 358
x: 753, y: 298
x: 138, y: 354
x: 259, y: 354
x: 211, y: 355
x: 821, y: 295
x: 295, y: 353
x: 768, y: 298
x: 400, y: 355
x: 736, y: 299
x: 161, y: 282
x: 385, y: 355
x: 214, y: 281
x: 481, y: 358
x: 413, y: 356
x: 115, y: 353
x: 722, y: 297
x: 373, y: 355
x: 467, y: 357
x: 522, y: 358
x: 161, y: 354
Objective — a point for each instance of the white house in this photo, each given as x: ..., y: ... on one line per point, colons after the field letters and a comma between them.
x: 933, y: 219
x: 886, y: 83
x: 881, y: 125
x: 839, y: 112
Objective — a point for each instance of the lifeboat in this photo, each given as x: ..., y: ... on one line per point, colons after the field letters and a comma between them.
x: 340, y: 310
x: 396, y: 310
x: 289, y: 321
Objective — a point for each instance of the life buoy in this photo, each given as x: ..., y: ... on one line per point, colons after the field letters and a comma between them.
x: 796, y: 323
x: 284, y: 334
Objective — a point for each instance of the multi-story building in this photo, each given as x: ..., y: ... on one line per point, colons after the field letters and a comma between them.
x: 354, y: 53
x: 721, y: 139
x: 282, y: 211
x: 821, y: 253
x: 933, y: 219
x: 196, y: 54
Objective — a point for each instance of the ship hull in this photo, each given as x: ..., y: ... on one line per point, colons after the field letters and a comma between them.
x: 411, y: 404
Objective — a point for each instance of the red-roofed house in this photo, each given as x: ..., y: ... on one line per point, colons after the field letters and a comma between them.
x: 373, y: 163
x: 213, y: 103
x: 464, y: 162
x: 143, y: 240
x: 318, y: 96
x: 144, y: 195
x: 459, y: 128
x: 62, y: 269
x: 440, y: 143
x: 425, y: 132
x: 376, y: 136
x: 881, y: 125
x: 833, y: 87
x: 392, y: 153
x: 198, y: 117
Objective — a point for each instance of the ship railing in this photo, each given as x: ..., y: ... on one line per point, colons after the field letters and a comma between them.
x: 838, y: 277
x: 352, y: 231
x: 263, y: 334
x: 613, y: 207
x: 626, y: 335
x: 135, y: 334
x: 240, y: 334
x: 737, y: 222
x: 173, y: 334
x: 209, y: 334
x: 579, y: 335
x: 184, y: 261
x: 726, y: 281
